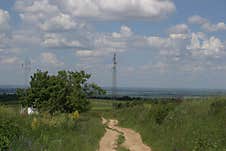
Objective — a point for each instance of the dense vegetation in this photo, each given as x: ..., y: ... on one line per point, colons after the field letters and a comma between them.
x: 192, y: 125
x: 72, y: 132
x: 174, y: 125
x: 65, y: 92
x: 59, y: 125
x: 8, y: 99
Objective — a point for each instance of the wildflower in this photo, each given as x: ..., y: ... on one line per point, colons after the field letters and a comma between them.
x: 75, y: 115
x: 53, y: 122
x: 34, y: 123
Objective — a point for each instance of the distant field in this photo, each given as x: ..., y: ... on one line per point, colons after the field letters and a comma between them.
x: 8, y: 99
x: 101, y: 105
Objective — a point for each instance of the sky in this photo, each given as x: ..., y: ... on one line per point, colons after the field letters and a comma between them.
x: 159, y: 43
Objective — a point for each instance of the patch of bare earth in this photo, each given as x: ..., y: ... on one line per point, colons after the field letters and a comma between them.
x: 108, y: 141
x: 133, y: 140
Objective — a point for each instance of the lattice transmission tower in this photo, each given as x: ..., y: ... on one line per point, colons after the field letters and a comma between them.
x: 26, y: 68
x: 114, y: 77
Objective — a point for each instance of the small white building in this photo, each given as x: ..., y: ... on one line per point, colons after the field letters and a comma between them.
x: 31, y: 110
x: 28, y: 110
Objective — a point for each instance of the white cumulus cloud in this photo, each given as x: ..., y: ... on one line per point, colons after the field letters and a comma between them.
x: 207, y: 25
x: 53, y: 40
x: 7, y: 60
x: 35, y: 11
x: 51, y: 58
x: 210, y: 47
x: 4, y: 20
x: 119, y: 9
x: 179, y: 29
x: 59, y: 22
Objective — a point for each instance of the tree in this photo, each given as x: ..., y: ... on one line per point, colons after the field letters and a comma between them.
x: 65, y: 92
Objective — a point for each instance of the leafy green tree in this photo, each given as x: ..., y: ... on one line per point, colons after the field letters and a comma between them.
x: 65, y: 92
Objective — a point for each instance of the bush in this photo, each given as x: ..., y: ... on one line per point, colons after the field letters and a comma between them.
x: 128, y: 104
x: 65, y: 92
x: 203, y: 143
x: 160, y: 111
x: 9, y: 132
x: 217, y: 106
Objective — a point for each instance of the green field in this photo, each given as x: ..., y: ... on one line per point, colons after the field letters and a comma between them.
x: 101, y: 105
x: 189, y: 125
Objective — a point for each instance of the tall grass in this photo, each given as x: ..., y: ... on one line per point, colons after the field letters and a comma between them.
x: 194, y: 125
x: 54, y: 133
x: 190, y: 125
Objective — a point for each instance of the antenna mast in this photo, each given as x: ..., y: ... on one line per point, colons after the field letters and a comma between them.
x: 114, y: 77
x: 26, y: 68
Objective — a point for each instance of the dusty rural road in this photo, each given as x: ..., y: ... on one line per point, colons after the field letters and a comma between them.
x: 133, y: 140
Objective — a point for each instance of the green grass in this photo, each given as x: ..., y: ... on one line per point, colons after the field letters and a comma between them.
x: 120, y: 141
x: 81, y: 135
x: 101, y: 105
x: 55, y: 133
x: 190, y: 125
x: 122, y: 149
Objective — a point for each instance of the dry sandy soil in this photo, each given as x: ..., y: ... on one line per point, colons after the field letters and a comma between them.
x: 133, y: 140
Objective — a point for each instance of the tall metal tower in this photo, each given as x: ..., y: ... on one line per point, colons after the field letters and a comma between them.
x: 26, y: 68
x: 114, y: 78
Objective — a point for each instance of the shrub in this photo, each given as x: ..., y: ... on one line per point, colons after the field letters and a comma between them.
x: 203, y: 143
x: 217, y: 106
x: 128, y: 104
x: 160, y: 111
x: 116, y: 105
x: 9, y: 132
x: 65, y: 92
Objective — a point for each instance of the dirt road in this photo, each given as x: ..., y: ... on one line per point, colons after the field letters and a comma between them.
x: 133, y: 140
